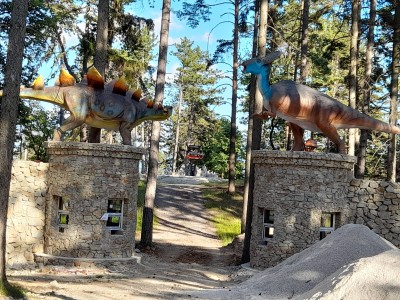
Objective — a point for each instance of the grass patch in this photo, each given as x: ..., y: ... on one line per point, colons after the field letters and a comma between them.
x: 6, y: 289
x: 226, y: 211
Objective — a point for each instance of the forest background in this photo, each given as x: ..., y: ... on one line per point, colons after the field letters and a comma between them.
x: 61, y: 34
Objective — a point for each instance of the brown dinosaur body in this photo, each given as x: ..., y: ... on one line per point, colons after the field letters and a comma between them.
x: 98, y: 107
x: 306, y: 108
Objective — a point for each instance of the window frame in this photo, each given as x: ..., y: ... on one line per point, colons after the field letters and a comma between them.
x: 328, y: 230
x: 61, y: 202
x: 114, y: 214
x: 269, y: 225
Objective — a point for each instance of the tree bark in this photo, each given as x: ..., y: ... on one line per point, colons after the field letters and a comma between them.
x: 394, y: 88
x: 176, y: 147
x: 304, y: 41
x: 366, y: 90
x: 355, y: 15
x: 8, y: 116
x: 232, y: 144
x: 148, y: 211
x: 257, y: 129
x: 100, y: 58
x: 250, y: 122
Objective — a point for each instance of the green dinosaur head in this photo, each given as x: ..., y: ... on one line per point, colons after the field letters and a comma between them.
x: 156, y: 113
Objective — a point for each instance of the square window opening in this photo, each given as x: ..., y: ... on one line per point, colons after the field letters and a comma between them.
x: 268, y: 225
x: 114, y: 216
x: 62, y: 212
x: 116, y: 232
x: 328, y: 223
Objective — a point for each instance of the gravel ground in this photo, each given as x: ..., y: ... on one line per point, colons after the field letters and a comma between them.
x: 341, y: 266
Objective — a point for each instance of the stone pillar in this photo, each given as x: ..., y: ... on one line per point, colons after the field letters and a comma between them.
x: 296, y: 189
x: 91, y: 201
x: 26, y: 206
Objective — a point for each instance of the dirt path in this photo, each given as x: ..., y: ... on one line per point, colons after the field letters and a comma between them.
x: 186, y: 257
x: 185, y: 233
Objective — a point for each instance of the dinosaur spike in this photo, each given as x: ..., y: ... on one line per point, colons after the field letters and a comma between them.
x: 65, y: 79
x: 137, y: 95
x: 120, y: 87
x: 150, y: 103
x: 94, y: 79
x: 38, y: 83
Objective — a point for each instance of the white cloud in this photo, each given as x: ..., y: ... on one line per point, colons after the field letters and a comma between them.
x: 174, y: 25
x: 207, y: 37
x: 173, y: 40
x: 171, y: 73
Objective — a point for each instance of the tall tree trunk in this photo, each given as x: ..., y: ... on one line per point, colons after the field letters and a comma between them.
x: 144, y: 143
x: 366, y: 90
x: 148, y: 211
x: 232, y: 144
x: 8, y: 117
x: 100, y: 58
x: 176, y: 147
x: 304, y: 41
x: 355, y: 15
x: 257, y: 129
x: 394, y: 88
x: 253, y: 86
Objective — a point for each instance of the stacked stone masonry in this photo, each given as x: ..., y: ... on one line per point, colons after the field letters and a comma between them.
x: 299, y: 187
x: 377, y: 205
x: 87, y: 176
x: 26, y: 212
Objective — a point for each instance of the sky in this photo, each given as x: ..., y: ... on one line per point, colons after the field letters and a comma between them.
x: 205, y: 36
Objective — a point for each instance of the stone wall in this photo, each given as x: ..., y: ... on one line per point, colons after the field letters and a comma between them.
x: 26, y: 208
x: 297, y: 187
x: 300, y: 186
x: 87, y: 176
x: 377, y: 205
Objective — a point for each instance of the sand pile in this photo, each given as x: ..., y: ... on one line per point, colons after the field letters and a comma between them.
x: 351, y: 263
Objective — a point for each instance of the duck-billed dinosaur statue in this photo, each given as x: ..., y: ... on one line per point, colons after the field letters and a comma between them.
x: 306, y: 108
x: 110, y: 106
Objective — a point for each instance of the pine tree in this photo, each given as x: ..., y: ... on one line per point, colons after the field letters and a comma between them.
x: 196, y: 88
x: 148, y: 210
x: 8, y: 117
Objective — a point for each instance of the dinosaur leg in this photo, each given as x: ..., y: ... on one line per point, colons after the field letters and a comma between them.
x: 298, y: 133
x: 331, y: 132
x: 70, y: 123
x: 58, y: 135
x: 125, y: 131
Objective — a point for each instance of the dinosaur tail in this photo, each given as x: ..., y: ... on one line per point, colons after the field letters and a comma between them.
x: 363, y: 121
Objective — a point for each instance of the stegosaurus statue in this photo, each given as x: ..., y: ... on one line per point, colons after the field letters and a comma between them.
x: 110, y: 106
